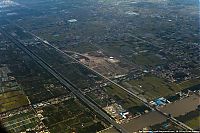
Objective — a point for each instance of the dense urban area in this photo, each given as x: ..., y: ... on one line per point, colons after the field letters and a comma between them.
x: 99, y: 66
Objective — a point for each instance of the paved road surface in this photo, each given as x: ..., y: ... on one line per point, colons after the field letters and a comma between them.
x: 67, y: 84
x: 125, y: 89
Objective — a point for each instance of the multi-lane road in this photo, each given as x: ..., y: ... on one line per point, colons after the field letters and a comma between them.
x: 66, y: 83
x: 79, y: 94
x: 144, y: 101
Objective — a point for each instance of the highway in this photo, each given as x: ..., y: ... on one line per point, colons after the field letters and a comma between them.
x: 144, y: 101
x: 66, y: 83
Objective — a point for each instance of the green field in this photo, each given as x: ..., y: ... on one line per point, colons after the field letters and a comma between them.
x: 127, y: 101
x: 147, y: 59
x: 69, y: 116
x: 153, y: 87
x: 188, y: 83
x: 194, y: 123
x: 102, y: 102
x: 12, y: 100
x: 20, y: 122
x: 192, y: 119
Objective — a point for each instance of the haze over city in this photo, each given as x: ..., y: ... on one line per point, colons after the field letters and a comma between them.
x: 99, y: 66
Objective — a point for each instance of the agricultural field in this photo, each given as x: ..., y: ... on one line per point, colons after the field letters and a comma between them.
x: 36, y: 83
x: 192, y: 119
x: 100, y: 97
x: 153, y: 87
x: 146, y: 59
x: 189, y: 83
x: 39, y: 86
x: 150, y: 47
x: 9, y: 86
x: 25, y: 120
x: 69, y: 116
x: 74, y: 72
x: 194, y: 123
x: 12, y: 100
x: 128, y: 102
